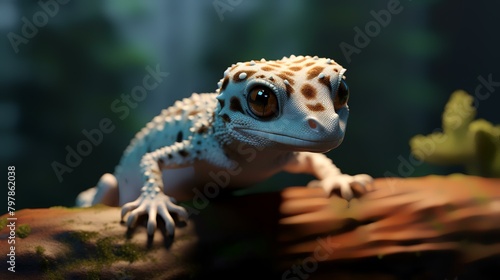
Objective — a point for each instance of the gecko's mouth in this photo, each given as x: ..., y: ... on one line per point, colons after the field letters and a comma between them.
x: 297, y: 143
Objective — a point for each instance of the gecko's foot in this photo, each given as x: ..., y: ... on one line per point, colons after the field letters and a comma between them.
x: 153, y: 205
x: 344, y: 183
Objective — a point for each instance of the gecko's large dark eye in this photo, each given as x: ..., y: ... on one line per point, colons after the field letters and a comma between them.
x: 263, y: 102
x: 342, y: 96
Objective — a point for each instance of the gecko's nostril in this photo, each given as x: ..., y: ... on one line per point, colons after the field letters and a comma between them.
x: 312, y: 123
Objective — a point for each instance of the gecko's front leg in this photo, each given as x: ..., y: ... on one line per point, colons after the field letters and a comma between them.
x: 153, y: 200
x: 329, y: 176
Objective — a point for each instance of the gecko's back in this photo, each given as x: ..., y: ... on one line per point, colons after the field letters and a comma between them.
x: 180, y: 122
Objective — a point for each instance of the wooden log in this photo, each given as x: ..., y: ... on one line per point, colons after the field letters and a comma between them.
x: 433, y: 227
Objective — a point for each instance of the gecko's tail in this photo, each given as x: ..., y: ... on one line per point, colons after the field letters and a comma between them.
x: 85, y: 198
x: 106, y: 192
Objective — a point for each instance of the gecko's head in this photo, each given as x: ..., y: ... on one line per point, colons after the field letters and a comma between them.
x: 297, y: 103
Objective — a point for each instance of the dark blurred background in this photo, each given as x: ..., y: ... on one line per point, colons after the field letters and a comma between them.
x: 63, y: 76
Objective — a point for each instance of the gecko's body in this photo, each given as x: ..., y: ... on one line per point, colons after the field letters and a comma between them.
x: 265, y: 117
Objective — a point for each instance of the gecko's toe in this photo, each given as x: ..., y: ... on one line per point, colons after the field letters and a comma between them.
x: 315, y: 184
x: 124, y: 212
x: 134, y: 215
x: 365, y: 181
x: 152, y: 221
x: 345, y: 190
x: 131, y: 220
x: 179, y: 210
x: 127, y: 207
x: 169, y: 221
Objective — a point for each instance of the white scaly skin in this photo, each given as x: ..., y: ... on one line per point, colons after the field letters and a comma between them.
x: 265, y: 117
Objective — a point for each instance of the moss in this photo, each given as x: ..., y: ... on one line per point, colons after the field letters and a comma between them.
x: 109, y: 251
x: 129, y: 252
x: 99, y: 207
x: 58, y: 207
x: 53, y: 275
x: 39, y: 250
x: 44, y: 261
x: 76, y: 208
x: 83, y: 236
x: 47, y: 264
x: 66, y: 208
x: 90, y: 266
x: 104, y: 247
x: 92, y: 253
x: 23, y: 230
x: 3, y: 223
x: 93, y: 275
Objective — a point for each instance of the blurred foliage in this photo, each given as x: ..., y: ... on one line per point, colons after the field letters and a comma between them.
x: 91, y: 52
x: 465, y: 141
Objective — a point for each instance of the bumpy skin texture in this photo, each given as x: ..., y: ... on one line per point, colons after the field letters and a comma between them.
x: 265, y: 117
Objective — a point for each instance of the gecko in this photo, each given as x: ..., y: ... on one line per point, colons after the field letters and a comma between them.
x: 266, y: 116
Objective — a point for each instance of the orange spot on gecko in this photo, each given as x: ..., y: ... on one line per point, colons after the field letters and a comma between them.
x: 288, y: 73
x: 286, y: 77
x: 308, y: 91
x: 274, y: 64
x: 314, y: 72
x: 224, y: 83
x: 318, y: 107
x: 268, y: 68
x: 236, y: 76
x: 325, y: 81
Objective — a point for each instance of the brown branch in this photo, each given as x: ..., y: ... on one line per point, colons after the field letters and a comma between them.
x: 458, y: 213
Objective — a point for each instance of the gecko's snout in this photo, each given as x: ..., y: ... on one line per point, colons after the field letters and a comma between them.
x: 325, y: 135
x: 313, y: 125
